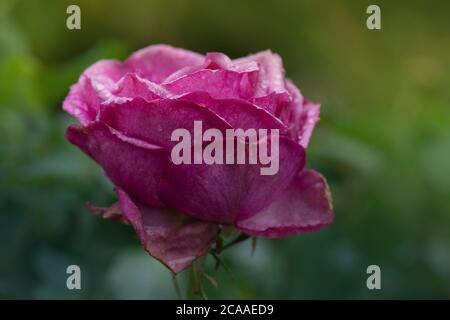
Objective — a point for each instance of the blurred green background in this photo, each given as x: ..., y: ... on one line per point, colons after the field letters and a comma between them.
x: 383, y: 143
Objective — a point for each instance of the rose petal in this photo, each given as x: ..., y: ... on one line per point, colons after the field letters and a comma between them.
x: 131, y: 165
x: 219, y: 83
x: 214, y: 61
x: 223, y: 193
x: 173, y: 238
x: 93, y: 87
x: 132, y: 86
x: 290, y: 115
x: 301, y: 116
x: 217, y: 60
x: 109, y: 71
x: 238, y: 113
x: 271, y: 72
x: 157, y: 62
x: 308, y: 120
x: 273, y: 102
x: 304, y: 206
x: 155, y: 121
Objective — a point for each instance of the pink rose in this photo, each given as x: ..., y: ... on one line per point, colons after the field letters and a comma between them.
x: 128, y: 112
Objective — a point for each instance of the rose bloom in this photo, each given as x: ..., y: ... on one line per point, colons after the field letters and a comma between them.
x: 127, y: 113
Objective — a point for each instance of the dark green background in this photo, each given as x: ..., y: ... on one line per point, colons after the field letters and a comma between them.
x: 383, y: 143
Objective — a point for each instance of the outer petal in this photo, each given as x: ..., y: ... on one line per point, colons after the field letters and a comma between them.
x: 308, y: 119
x: 132, y: 165
x: 301, y: 116
x: 93, y: 87
x: 157, y: 62
x: 173, y: 238
x: 224, y: 193
x: 304, y: 206
x: 155, y: 121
